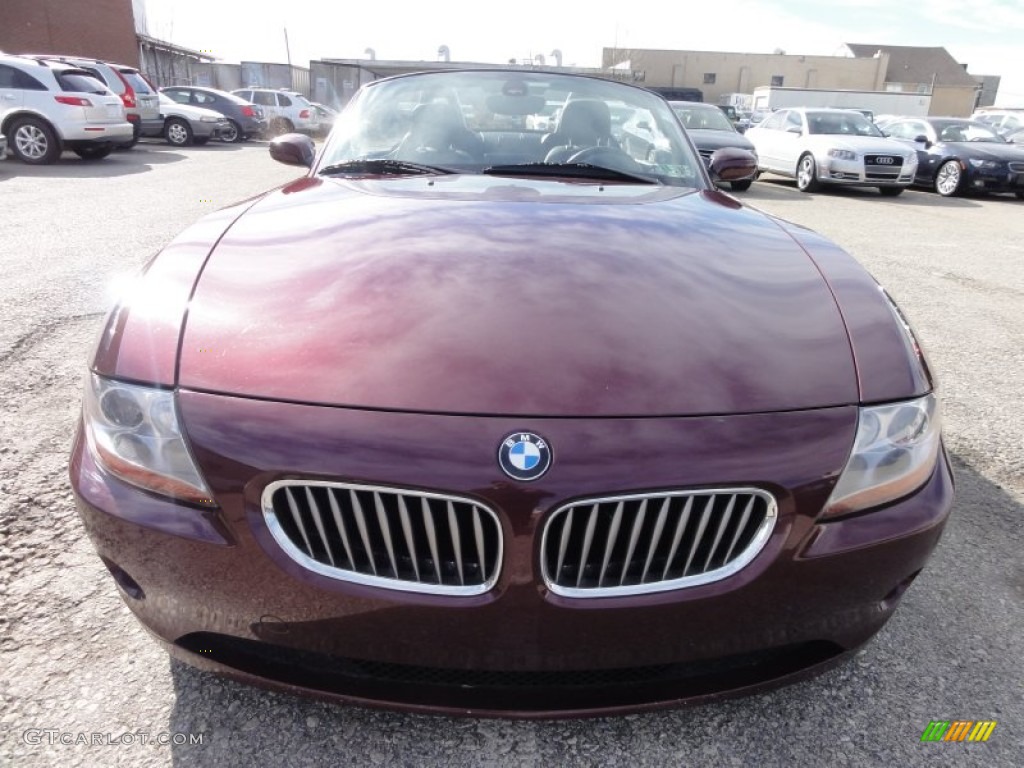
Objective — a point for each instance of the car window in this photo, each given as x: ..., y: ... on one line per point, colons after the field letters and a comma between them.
x: 181, y: 97
x: 136, y: 81
x: 264, y: 98
x: 203, y: 98
x: 841, y: 123
x: 775, y: 122
x: 701, y: 118
x: 965, y: 131
x: 794, y: 120
x: 80, y: 83
x: 283, y: 100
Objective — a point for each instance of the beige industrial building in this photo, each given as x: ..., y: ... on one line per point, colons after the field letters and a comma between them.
x: 911, y: 69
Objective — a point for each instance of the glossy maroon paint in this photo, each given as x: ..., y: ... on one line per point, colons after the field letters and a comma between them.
x: 394, y: 332
x: 425, y: 295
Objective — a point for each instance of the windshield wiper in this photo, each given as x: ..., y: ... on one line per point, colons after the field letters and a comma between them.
x: 383, y: 167
x: 571, y: 170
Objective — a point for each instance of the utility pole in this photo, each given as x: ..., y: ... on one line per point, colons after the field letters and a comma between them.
x: 288, y: 53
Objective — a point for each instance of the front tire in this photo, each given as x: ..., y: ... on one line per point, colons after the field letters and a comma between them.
x: 807, y: 174
x: 93, y: 153
x: 741, y: 186
x: 178, y: 132
x: 34, y: 142
x: 233, y: 134
x: 890, y: 191
x: 949, y: 180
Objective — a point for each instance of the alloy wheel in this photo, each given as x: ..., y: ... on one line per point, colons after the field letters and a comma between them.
x: 31, y: 142
x: 947, y: 180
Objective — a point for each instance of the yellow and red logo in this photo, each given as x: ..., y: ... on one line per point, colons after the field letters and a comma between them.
x: 958, y: 730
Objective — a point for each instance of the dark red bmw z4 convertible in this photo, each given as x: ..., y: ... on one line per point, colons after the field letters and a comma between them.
x: 481, y: 418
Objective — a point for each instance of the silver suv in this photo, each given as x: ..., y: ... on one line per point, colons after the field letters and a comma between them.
x: 140, y: 100
x: 46, y: 107
x: 285, y: 110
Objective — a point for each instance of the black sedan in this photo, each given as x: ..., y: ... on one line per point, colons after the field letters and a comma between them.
x: 710, y: 129
x: 245, y: 119
x: 957, y: 156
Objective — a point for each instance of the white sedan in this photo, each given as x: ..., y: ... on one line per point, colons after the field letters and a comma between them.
x: 831, y: 146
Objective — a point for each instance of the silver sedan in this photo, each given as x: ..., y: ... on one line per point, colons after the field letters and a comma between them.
x: 832, y: 146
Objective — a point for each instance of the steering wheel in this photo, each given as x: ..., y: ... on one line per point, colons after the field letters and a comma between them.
x: 608, y: 157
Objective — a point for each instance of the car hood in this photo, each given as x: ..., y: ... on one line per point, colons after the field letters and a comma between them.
x: 981, y: 150
x: 484, y: 295
x: 862, y: 144
x: 712, y: 140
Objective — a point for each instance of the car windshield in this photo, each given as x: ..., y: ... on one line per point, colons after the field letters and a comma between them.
x: 966, y: 131
x: 701, y: 118
x: 496, y: 122
x: 841, y: 123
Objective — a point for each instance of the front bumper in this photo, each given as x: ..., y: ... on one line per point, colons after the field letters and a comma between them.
x: 208, y: 130
x: 982, y: 180
x: 833, y: 170
x: 216, y: 589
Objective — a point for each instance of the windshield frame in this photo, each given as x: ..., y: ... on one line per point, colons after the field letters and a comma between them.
x: 677, y: 164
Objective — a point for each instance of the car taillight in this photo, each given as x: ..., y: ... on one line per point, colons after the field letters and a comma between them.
x: 73, y: 101
x: 248, y: 111
x: 128, y: 97
x: 304, y: 114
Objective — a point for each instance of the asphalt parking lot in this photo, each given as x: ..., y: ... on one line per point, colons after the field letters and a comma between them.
x: 74, y: 661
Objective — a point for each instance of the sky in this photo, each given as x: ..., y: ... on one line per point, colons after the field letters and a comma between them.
x: 985, y: 34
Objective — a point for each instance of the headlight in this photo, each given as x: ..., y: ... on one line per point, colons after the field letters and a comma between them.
x: 135, y: 434
x: 209, y: 119
x: 842, y: 154
x: 985, y: 165
x: 893, y: 455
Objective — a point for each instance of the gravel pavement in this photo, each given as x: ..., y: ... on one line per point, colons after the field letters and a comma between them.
x: 75, y: 665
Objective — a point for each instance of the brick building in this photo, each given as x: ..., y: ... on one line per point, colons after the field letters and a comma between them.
x: 102, y: 29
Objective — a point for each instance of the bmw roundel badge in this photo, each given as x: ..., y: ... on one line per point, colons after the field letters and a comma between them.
x: 524, y: 456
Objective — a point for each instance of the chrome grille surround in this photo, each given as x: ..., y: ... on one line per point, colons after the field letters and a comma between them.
x: 653, y: 542
x: 1017, y: 167
x: 386, y: 537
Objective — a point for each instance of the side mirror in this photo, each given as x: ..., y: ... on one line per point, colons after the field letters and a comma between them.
x: 922, y: 139
x: 794, y: 129
x: 731, y: 164
x: 293, y: 149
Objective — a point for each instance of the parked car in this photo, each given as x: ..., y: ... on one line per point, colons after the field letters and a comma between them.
x: 710, y: 130
x: 325, y: 117
x: 184, y: 124
x: 956, y: 156
x: 530, y: 438
x: 139, y: 98
x: 832, y: 146
x: 1004, y: 122
x: 286, y: 111
x: 245, y: 119
x: 47, y: 107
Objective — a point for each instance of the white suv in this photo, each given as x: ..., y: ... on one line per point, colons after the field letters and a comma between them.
x: 140, y: 99
x: 47, y: 107
x: 285, y: 110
